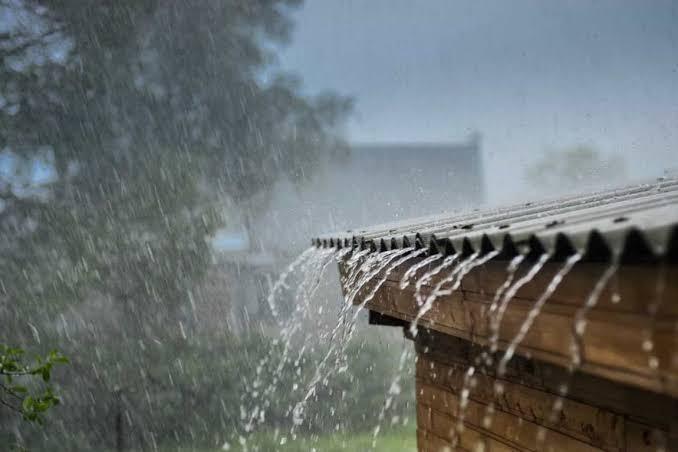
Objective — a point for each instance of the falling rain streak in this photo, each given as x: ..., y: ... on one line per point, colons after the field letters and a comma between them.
x: 364, y: 273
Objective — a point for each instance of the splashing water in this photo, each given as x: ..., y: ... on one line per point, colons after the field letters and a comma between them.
x: 428, y: 304
x: 484, y: 357
x: 369, y: 269
x: 377, y: 263
x: 511, y: 270
x: 388, y: 264
x: 428, y: 276
x: 581, y: 317
x: 357, y: 264
x: 465, y: 269
x: 495, y: 322
x: 652, y: 310
x: 510, y: 274
x: 405, y: 281
x: 410, y: 254
x: 578, y: 330
x: 353, y: 266
x: 393, y: 390
x: 311, y: 264
x: 281, y: 281
x: 312, y: 279
x: 535, y: 311
x: 464, y: 395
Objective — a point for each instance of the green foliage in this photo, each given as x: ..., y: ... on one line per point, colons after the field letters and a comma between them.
x: 19, y: 387
x: 190, y: 391
x: 156, y: 117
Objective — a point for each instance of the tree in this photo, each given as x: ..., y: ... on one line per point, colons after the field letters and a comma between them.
x: 575, y: 169
x: 146, y: 115
x: 156, y: 113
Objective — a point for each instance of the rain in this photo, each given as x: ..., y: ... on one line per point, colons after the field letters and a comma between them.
x: 287, y: 225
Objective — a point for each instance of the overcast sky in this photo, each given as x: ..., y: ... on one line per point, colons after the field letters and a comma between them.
x: 528, y: 75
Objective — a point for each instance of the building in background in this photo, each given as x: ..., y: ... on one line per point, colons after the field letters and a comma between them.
x: 375, y: 183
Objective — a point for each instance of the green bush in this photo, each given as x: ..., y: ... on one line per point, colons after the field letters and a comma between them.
x: 193, y: 392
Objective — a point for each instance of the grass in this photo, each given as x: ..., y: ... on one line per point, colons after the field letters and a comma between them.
x: 404, y: 440
x: 392, y: 440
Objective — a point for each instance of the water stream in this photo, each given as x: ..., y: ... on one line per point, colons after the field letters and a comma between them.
x: 495, y: 321
x: 656, y: 303
x: 407, y: 276
x: 470, y: 381
x: 500, y: 304
x: 280, y: 283
x: 535, y: 311
x: 376, y: 263
x: 258, y: 395
x: 428, y: 276
x: 527, y: 323
x: 393, y: 390
x: 581, y: 317
x: 428, y: 303
x: 364, y: 272
x: 576, y: 348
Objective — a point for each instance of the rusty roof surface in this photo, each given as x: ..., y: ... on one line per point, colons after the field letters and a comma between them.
x: 635, y: 222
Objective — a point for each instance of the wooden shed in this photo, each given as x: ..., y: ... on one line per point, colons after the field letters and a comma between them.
x: 542, y: 326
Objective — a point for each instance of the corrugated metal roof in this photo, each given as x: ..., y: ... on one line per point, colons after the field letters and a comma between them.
x: 637, y: 222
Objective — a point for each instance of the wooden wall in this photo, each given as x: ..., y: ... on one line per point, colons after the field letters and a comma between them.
x: 617, y: 401
x: 596, y: 414
x: 612, y: 344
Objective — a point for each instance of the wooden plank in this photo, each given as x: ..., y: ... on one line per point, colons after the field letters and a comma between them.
x: 612, y: 343
x: 636, y: 285
x: 437, y: 349
x: 641, y: 438
x: 584, y: 422
x: 602, y: 413
x: 469, y: 441
x: 506, y: 427
x: 470, y: 438
x: 423, y: 416
x: 428, y: 442
x: 617, y: 402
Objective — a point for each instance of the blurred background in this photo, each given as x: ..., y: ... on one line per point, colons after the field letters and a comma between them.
x: 162, y: 162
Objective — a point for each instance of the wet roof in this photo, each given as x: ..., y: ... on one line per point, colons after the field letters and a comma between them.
x: 637, y: 222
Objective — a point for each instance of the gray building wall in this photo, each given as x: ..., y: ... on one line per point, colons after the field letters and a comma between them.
x: 376, y: 183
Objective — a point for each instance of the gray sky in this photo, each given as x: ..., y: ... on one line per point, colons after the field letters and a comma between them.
x: 529, y: 75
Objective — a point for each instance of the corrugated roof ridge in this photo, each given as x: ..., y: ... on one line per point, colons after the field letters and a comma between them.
x: 648, y: 211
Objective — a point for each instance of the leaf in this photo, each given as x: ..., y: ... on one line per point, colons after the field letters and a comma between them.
x: 27, y: 404
x: 19, y: 389
x: 46, y: 373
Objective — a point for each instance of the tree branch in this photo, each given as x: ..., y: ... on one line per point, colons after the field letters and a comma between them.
x: 9, y: 391
x: 9, y: 405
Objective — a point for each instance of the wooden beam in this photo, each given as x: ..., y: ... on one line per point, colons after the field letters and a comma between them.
x: 619, y: 329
